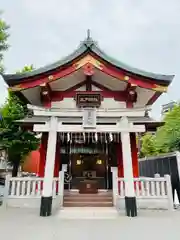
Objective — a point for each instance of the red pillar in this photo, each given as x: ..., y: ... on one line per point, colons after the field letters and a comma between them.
x: 42, y: 151
x: 134, y: 154
x: 119, y: 160
x: 119, y: 163
x: 57, y: 160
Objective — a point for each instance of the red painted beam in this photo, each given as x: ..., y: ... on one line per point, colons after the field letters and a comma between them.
x: 130, y: 87
x: 121, y: 76
x: 45, y: 94
x: 71, y: 92
x: 30, y: 83
x: 88, y: 83
x: 131, y: 78
x: 131, y: 95
x: 154, y: 98
x: 60, y: 95
x: 88, y: 61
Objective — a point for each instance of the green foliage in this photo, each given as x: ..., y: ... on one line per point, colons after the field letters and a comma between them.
x: 17, y: 141
x: 167, y: 137
x: 148, y: 145
x: 27, y: 68
x: 3, y: 40
x: 13, y: 108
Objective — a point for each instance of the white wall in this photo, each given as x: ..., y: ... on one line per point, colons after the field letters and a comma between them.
x: 66, y: 103
x: 111, y: 103
x: 71, y: 103
x: 143, y: 96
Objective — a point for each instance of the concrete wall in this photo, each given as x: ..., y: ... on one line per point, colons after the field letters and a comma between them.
x: 33, y: 203
x: 147, y: 203
x: 24, y: 202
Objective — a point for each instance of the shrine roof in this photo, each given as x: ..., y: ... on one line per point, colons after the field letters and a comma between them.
x: 91, y: 47
x: 149, y: 122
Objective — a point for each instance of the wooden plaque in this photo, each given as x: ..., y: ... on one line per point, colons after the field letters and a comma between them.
x: 88, y: 99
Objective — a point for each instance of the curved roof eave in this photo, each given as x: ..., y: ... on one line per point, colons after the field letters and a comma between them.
x: 119, y: 64
x: 86, y: 45
x: 18, y: 76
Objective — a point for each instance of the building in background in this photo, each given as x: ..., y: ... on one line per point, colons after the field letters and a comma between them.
x: 167, y: 107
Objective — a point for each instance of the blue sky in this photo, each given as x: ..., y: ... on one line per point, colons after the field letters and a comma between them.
x: 144, y: 34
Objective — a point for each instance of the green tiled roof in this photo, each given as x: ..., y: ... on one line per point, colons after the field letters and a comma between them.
x: 88, y: 45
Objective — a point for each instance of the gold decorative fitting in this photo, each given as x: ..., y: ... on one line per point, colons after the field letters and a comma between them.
x: 160, y: 88
x: 132, y: 92
x: 78, y: 162
x: 16, y: 88
x: 126, y: 78
x: 51, y: 77
x: 133, y: 85
x: 88, y: 69
x: 99, y: 162
x: 88, y: 60
x: 45, y: 93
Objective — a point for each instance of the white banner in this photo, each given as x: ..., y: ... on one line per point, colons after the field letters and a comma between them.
x: 89, y: 118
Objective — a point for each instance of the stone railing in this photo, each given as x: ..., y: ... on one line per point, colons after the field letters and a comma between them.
x: 155, y: 193
x: 151, y: 193
x: 27, y: 191
x: 148, y: 187
x: 25, y: 187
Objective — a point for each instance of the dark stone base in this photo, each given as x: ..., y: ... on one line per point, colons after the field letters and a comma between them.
x: 46, y: 206
x: 131, y: 207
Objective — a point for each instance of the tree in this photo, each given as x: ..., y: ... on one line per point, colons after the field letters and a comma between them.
x: 17, y: 141
x: 26, y: 68
x: 148, y: 145
x: 168, y: 136
x: 3, y: 40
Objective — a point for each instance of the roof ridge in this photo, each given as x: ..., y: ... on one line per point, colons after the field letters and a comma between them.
x: 87, y: 45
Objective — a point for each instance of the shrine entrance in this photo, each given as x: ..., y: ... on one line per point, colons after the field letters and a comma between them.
x: 87, y: 162
x: 92, y: 167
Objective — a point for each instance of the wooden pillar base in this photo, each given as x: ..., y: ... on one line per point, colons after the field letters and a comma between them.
x: 46, y: 206
x: 131, y: 207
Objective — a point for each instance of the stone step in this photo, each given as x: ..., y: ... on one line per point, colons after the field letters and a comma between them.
x: 88, y: 196
x: 79, y: 199
x: 88, y: 204
x: 74, y: 199
x: 74, y: 193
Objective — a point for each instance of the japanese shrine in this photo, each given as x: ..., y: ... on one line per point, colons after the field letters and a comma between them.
x: 89, y: 109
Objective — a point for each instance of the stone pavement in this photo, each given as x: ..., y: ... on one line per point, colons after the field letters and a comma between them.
x: 88, y: 213
x: 26, y: 224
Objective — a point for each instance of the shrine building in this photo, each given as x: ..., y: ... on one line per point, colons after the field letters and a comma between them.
x: 89, y: 109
